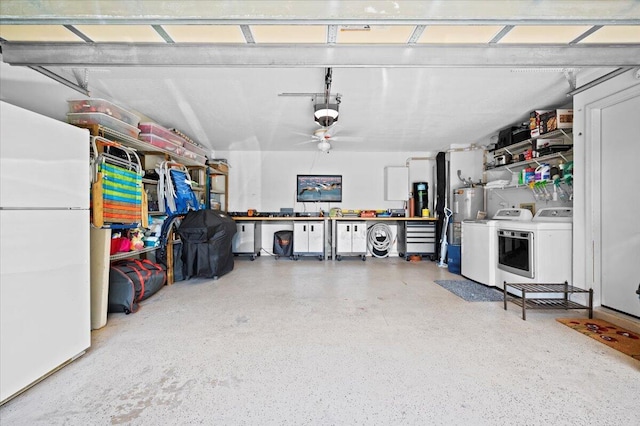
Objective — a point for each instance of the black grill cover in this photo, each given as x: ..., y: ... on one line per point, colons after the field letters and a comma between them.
x: 206, y: 243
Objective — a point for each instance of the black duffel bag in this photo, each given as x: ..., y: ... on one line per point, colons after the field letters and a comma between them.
x: 132, y: 281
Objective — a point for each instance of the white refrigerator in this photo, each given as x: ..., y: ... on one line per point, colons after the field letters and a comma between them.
x: 44, y: 247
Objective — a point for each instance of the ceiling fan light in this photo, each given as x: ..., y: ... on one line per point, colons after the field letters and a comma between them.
x: 324, y: 146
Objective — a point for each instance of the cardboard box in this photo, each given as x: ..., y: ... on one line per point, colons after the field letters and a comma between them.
x: 556, y: 119
x: 151, y: 161
x: 221, y: 167
x: 534, y: 119
x: 565, y: 118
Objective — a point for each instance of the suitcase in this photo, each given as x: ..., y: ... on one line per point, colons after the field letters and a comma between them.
x: 132, y: 281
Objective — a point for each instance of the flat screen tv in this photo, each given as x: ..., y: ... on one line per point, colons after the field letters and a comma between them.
x: 319, y: 188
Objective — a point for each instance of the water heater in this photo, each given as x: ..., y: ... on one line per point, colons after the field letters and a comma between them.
x: 420, y: 197
x: 467, y: 202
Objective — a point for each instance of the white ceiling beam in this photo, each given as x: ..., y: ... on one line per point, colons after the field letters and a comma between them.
x: 334, y: 12
x: 135, y: 20
x: 154, y: 54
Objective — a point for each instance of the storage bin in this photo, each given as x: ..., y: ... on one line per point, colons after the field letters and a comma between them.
x: 104, y: 107
x: 195, y: 148
x: 159, y: 142
x: 85, y: 118
x: 218, y: 183
x: 453, y: 258
x: 158, y: 130
x: 191, y: 155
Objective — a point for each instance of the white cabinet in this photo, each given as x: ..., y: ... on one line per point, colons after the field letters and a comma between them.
x: 248, y: 239
x: 396, y: 183
x: 308, y: 239
x: 351, y: 239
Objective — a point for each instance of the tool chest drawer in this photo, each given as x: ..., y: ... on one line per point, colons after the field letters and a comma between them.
x: 417, y: 238
x: 420, y: 230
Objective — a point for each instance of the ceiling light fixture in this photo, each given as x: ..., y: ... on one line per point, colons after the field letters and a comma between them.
x: 326, y: 113
x: 324, y: 146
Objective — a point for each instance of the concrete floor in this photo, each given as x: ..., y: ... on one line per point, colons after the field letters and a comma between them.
x: 351, y: 342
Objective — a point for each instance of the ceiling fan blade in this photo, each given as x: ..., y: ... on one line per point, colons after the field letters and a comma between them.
x: 307, y: 141
x: 347, y: 138
x: 332, y: 130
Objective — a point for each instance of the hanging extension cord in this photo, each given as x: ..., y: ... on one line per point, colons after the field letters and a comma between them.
x: 379, y: 239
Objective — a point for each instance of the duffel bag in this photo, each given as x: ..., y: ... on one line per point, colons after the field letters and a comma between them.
x: 132, y: 281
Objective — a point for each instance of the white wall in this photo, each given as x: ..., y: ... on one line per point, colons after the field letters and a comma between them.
x: 470, y: 164
x: 266, y: 180
x: 513, y: 197
x: 31, y: 90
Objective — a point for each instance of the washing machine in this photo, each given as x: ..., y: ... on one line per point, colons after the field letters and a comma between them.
x: 479, y: 252
x: 539, y: 251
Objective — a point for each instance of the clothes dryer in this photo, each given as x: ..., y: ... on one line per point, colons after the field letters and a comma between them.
x: 539, y: 251
x: 479, y: 255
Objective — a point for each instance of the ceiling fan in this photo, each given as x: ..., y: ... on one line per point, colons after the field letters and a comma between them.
x: 325, y: 114
x: 324, y: 136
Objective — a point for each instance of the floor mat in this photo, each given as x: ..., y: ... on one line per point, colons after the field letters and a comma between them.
x: 611, y: 335
x: 471, y: 291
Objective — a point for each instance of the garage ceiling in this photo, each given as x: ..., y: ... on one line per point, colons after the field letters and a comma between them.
x: 241, y: 75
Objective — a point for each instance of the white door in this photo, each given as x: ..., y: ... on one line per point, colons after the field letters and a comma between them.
x: 44, y: 293
x: 301, y: 237
x: 343, y: 243
x: 359, y: 238
x: 44, y: 162
x: 316, y: 237
x: 244, y: 240
x: 620, y: 196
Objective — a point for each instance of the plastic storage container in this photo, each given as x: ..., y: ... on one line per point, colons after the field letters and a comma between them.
x: 104, y: 107
x: 84, y: 118
x: 453, y: 259
x: 159, y: 142
x: 195, y: 148
x: 158, y: 130
x: 191, y: 155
